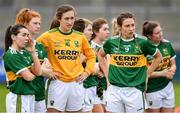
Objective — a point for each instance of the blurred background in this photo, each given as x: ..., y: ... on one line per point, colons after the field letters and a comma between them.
x: 167, y: 12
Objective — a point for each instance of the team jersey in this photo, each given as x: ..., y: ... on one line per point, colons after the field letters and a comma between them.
x: 64, y: 49
x: 15, y: 62
x: 39, y: 80
x: 128, y: 60
x: 92, y: 80
x: 167, y: 52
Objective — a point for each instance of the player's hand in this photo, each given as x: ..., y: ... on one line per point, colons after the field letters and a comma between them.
x: 100, y: 74
x: 168, y: 74
x: 54, y: 76
x: 48, y: 71
x: 30, y: 45
x: 82, y: 77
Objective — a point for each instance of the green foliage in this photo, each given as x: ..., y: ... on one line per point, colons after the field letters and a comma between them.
x: 3, y: 92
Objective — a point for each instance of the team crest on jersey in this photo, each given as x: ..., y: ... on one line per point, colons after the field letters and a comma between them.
x: 126, y: 48
x: 137, y: 49
x: 115, y: 50
x: 165, y: 51
x: 52, y: 102
x: 57, y: 44
x: 76, y: 43
x: 67, y: 42
x: 28, y: 59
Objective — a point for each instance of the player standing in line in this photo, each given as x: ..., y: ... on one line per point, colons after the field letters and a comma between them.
x: 64, y: 46
x: 95, y: 84
x: 101, y: 28
x: 160, y: 91
x: 22, y: 65
x: 32, y: 20
x: 88, y: 29
x: 85, y: 26
x: 79, y: 25
x: 127, y: 69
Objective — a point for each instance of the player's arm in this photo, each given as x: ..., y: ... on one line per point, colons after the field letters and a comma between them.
x: 47, y: 70
x: 172, y: 68
x: 90, y: 56
x: 156, y: 60
x: 103, y: 61
x: 90, y: 62
x: 36, y: 67
x: 27, y: 75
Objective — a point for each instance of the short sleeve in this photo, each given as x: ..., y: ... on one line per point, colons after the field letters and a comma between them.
x: 148, y: 48
x: 15, y: 63
x: 107, y: 47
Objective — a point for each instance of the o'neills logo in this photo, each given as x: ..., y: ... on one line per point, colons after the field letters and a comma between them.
x: 66, y: 54
x: 128, y: 60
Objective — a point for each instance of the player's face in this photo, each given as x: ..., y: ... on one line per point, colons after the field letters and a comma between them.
x: 34, y: 25
x: 67, y: 21
x: 21, y: 39
x: 128, y: 28
x: 157, y: 35
x: 88, y: 31
x: 103, y: 32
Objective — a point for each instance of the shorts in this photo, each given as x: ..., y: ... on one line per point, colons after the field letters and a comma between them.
x: 161, y: 99
x: 40, y: 106
x: 90, y: 98
x: 65, y: 96
x: 25, y: 103
x: 124, y: 99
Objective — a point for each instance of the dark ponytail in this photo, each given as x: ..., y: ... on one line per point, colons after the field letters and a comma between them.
x: 11, y: 30
x: 148, y: 27
x: 8, y: 40
x: 55, y: 23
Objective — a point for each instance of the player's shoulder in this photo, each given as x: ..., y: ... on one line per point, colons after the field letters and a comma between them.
x: 77, y: 32
x: 140, y: 37
x: 165, y: 41
x: 53, y: 30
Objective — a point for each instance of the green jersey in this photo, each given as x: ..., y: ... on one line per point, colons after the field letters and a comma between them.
x: 167, y: 52
x: 92, y: 80
x: 39, y: 80
x: 128, y: 60
x: 15, y: 62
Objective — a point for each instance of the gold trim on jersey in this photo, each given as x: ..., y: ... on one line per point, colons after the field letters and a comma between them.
x: 163, y: 64
x: 12, y: 76
x: 128, y: 60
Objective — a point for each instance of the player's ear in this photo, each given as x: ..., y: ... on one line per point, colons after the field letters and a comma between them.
x: 13, y: 37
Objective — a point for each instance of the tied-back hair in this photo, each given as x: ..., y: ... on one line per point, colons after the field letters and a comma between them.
x: 97, y: 24
x: 25, y: 15
x: 124, y: 16
x: 115, y: 28
x: 59, y: 12
x: 63, y: 9
x: 12, y: 30
x: 54, y: 24
x: 148, y: 27
x: 79, y: 25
